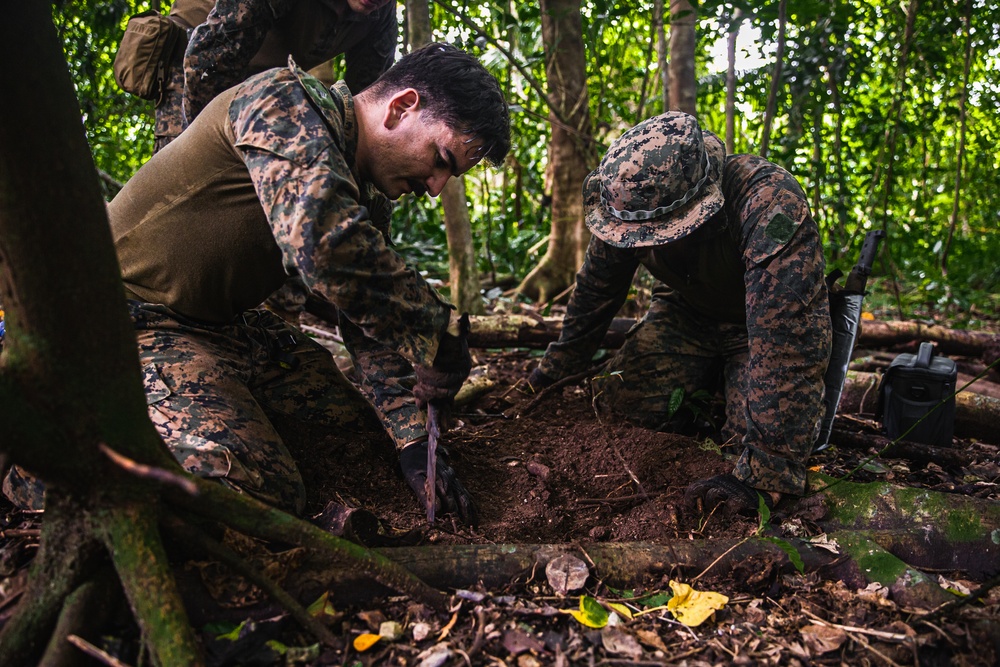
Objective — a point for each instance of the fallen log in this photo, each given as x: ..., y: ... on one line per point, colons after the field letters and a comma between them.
x: 911, y: 451
x: 976, y: 415
x: 881, y: 533
x: 508, y: 330
x: 886, y: 333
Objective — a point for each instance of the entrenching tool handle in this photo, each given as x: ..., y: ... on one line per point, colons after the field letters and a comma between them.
x: 433, y: 433
x: 858, y: 277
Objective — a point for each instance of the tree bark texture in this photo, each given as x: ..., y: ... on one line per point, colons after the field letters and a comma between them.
x: 418, y: 23
x: 772, y: 97
x: 731, y: 36
x: 683, y: 86
x: 525, y: 331
x: 462, y: 269
x: 662, y: 53
x: 570, y: 149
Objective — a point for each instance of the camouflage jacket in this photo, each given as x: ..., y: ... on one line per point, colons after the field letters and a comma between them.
x: 260, y: 186
x: 764, y: 206
x: 243, y: 37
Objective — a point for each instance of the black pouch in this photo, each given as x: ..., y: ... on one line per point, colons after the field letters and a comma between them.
x: 918, y: 391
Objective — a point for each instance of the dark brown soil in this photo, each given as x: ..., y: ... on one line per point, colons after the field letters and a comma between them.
x: 543, y: 468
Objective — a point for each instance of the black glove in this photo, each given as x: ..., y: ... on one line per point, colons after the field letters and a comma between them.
x: 451, y: 494
x: 726, y: 492
x: 440, y: 381
x: 539, y: 380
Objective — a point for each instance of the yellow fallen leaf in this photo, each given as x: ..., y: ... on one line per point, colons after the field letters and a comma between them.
x: 590, y: 614
x: 622, y: 610
x: 365, y: 641
x: 867, y: 316
x: 692, y: 607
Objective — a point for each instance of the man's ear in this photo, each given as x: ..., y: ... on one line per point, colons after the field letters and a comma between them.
x: 399, y: 104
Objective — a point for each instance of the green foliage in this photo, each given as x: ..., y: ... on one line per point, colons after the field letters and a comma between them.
x: 873, y: 140
x: 119, y: 126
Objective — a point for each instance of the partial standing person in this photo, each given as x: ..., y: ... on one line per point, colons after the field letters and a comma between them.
x: 282, y: 176
x: 739, y: 301
x: 229, y: 40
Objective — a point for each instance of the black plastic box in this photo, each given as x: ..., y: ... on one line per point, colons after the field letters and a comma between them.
x: 917, y: 398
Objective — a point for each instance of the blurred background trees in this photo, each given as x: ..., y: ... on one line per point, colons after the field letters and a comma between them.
x: 884, y: 111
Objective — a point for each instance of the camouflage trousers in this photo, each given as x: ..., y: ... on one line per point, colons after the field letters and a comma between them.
x: 209, y: 389
x: 773, y: 391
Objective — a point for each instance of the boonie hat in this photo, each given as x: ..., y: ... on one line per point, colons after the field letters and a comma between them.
x: 657, y: 183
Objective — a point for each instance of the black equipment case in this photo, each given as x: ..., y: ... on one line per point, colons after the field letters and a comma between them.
x: 919, y: 389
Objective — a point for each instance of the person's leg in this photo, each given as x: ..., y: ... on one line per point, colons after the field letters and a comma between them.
x: 197, y: 388
x: 671, y: 347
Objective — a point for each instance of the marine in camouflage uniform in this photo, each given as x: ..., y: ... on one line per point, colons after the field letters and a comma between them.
x: 263, y: 184
x: 739, y: 295
x: 230, y: 40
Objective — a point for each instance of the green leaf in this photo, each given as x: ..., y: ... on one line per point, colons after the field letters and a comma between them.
x: 233, y: 634
x: 590, y: 614
x: 676, y: 400
x: 656, y: 600
x: 792, y: 552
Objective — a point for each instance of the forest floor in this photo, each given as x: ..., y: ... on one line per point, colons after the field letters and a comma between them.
x: 546, y: 470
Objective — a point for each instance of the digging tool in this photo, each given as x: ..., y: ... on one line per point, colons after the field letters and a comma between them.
x: 845, y: 311
x: 433, y: 433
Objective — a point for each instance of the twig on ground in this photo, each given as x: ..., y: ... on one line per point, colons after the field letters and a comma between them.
x: 949, y: 607
x: 94, y: 652
x: 149, y: 472
x: 721, y: 556
x: 558, y: 384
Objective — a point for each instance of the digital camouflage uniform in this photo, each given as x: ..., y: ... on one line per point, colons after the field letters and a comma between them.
x: 230, y: 40
x: 261, y: 186
x: 740, y: 296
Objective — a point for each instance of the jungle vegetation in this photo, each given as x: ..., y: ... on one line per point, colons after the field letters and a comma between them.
x: 884, y: 111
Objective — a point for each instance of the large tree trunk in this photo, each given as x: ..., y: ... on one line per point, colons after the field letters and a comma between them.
x: 570, y: 150
x: 662, y: 54
x: 463, y: 271
x: 683, y: 86
x: 772, y: 97
x: 73, y: 406
x: 731, y: 36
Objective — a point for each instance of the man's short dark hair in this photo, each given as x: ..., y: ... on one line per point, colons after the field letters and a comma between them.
x: 457, y: 90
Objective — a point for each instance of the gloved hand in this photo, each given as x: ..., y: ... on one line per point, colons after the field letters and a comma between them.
x: 451, y: 494
x: 725, y: 492
x: 440, y: 382
x: 539, y: 380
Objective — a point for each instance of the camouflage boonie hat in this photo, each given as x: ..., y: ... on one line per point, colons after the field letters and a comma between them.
x: 658, y: 183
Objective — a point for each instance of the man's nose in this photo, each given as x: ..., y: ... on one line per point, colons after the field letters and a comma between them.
x: 435, y: 184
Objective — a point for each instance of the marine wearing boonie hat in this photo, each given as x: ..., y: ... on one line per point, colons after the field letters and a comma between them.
x: 657, y: 183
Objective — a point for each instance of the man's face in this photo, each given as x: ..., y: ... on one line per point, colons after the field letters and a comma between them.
x: 366, y: 6
x: 413, y: 154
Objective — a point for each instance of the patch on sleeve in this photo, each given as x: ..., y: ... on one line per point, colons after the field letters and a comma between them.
x: 780, y: 229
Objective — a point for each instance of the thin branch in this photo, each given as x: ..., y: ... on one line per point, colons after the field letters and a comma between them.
x: 149, y: 472
x: 949, y: 607
x: 94, y: 652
